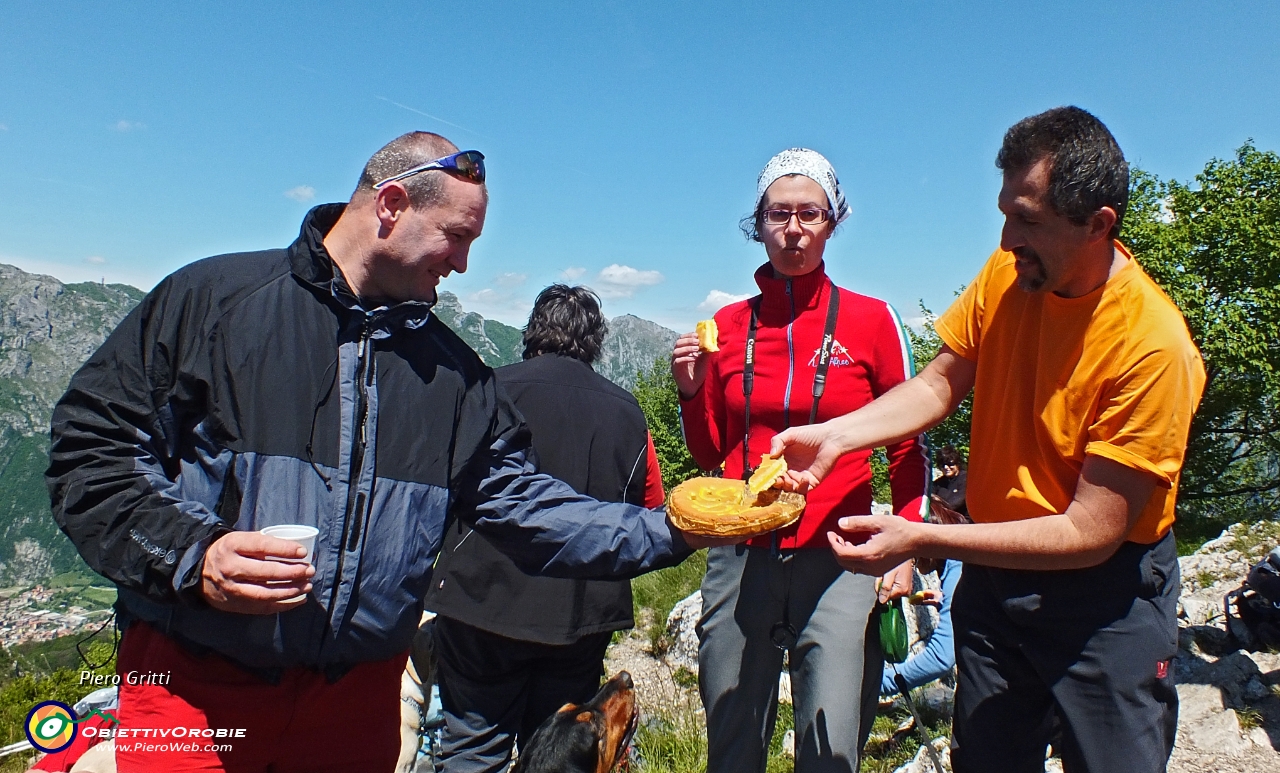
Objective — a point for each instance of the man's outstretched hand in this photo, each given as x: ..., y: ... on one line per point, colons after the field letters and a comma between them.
x: 811, y: 451
x: 240, y: 575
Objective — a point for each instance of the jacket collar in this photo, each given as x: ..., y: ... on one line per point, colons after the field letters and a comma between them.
x: 806, y: 290
x: 308, y: 258
x: 312, y: 264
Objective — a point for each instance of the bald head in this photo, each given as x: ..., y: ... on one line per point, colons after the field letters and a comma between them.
x: 405, y: 152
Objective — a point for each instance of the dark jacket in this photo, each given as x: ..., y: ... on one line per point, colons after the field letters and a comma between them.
x: 589, y: 433
x: 254, y: 389
x: 951, y: 491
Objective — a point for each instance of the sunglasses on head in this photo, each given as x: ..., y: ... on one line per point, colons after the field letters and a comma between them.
x: 466, y: 163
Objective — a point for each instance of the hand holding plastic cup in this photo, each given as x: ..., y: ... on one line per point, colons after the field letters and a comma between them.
x: 303, y: 535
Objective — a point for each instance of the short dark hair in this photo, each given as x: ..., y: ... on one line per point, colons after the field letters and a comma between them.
x: 949, y: 456
x: 402, y: 154
x: 1087, y: 169
x: 566, y: 320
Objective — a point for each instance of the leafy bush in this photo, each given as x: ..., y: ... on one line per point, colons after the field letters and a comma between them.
x: 656, y: 392
x: 1214, y: 247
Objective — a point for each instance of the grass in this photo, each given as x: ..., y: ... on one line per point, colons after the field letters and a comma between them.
x: 685, y: 678
x: 17, y: 763
x: 1249, y: 719
x: 1255, y: 540
x: 672, y: 743
x: 78, y: 588
x: 660, y: 591
x: 887, y: 750
x: 676, y: 743
x: 48, y: 656
x: 786, y: 721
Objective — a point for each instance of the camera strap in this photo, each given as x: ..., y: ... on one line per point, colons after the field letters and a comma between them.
x: 819, y: 376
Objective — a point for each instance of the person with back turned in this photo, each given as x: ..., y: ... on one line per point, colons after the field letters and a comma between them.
x: 513, y: 648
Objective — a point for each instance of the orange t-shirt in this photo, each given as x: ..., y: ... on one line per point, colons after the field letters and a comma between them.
x: 1113, y: 373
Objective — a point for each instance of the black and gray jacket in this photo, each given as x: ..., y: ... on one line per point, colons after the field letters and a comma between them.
x: 254, y: 389
x: 590, y: 433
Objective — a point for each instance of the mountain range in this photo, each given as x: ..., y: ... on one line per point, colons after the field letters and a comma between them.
x: 48, y: 328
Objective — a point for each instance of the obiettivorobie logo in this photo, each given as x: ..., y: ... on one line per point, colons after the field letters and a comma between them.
x: 51, y: 725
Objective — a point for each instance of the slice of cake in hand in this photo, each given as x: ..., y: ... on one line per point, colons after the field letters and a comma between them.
x: 708, y: 335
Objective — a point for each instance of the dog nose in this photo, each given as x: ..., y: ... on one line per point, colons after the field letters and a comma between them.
x: 625, y: 679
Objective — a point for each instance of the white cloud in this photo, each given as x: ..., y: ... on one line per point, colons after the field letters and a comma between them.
x: 510, y: 279
x: 572, y: 272
x: 487, y: 295
x: 96, y: 260
x: 302, y: 193
x: 918, y: 321
x: 503, y: 306
x: 128, y: 126
x: 617, y: 281
x: 718, y: 299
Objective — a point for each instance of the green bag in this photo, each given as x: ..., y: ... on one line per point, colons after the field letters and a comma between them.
x: 893, y: 631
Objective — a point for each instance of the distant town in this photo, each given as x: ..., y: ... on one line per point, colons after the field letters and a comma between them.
x: 39, y: 614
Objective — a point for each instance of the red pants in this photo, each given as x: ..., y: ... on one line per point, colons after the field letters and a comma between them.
x: 213, y: 716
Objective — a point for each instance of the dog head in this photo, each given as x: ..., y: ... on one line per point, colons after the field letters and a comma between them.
x: 587, y: 738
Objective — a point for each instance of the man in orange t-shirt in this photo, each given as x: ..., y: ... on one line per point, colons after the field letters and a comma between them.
x: 1085, y: 380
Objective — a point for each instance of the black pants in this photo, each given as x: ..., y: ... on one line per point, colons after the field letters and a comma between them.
x: 496, y: 691
x: 1088, y: 650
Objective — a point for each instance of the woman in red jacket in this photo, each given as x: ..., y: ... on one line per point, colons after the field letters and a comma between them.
x: 784, y: 591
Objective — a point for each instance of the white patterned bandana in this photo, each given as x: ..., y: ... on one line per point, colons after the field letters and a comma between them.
x: 811, y: 164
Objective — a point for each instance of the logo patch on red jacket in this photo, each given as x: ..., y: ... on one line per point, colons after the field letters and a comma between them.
x: 1162, y: 669
x: 840, y: 356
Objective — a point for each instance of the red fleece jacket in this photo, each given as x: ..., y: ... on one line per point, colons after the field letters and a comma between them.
x: 870, y: 356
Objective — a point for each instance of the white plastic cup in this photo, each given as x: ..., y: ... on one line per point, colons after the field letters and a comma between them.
x: 296, y: 532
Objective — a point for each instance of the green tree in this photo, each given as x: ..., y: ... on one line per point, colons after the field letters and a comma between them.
x: 1214, y: 246
x: 954, y: 430
x: 655, y: 390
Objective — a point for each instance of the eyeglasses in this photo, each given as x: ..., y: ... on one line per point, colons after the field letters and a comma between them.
x: 805, y: 216
x: 468, y: 163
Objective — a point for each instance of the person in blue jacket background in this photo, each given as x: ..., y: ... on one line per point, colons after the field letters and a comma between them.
x: 939, y: 655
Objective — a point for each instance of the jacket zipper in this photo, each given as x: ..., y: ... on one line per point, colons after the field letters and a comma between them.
x: 355, y: 497
x: 791, y: 358
x: 775, y: 546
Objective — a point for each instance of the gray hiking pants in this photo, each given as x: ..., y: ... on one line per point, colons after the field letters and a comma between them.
x: 835, y: 657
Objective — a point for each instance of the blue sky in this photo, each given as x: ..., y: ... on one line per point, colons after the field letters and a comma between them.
x: 623, y: 138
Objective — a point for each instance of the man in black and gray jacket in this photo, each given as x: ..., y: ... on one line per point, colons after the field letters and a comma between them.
x: 513, y: 648
x: 310, y: 385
